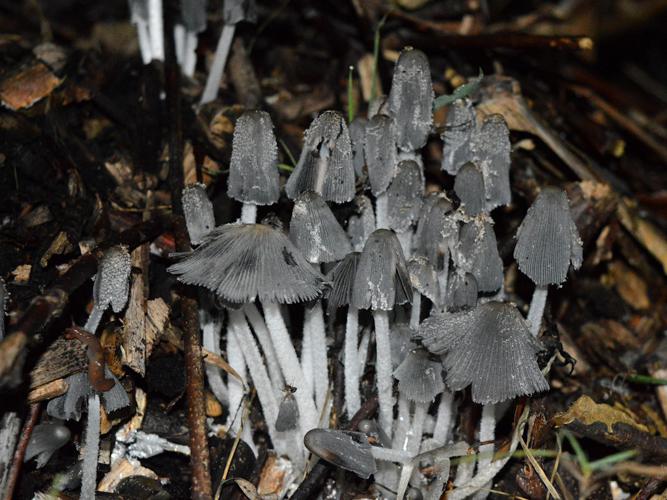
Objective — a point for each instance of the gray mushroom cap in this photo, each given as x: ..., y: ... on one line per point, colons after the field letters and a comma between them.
x: 193, y: 14
x: 315, y: 231
x: 461, y: 291
x: 240, y: 262
x: 341, y: 279
x: 438, y: 230
x: 288, y: 414
x: 405, y: 193
x: 477, y: 254
x: 253, y: 168
x: 469, y: 187
x: 378, y: 106
x: 235, y: 11
x: 344, y: 449
x: 361, y: 225
x: 198, y: 211
x: 411, y: 99
x: 382, y: 278
x: 424, y: 279
x: 548, y: 241
x: 491, y: 150
x: 489, y: 348
x: 112, y: 281
x: 358, y: 138
x: 457, y: 136
x: 419, y: 377
x: 401, y: 342
x: 45, y: 440
x: 380, y: 152
x: 325, y: 165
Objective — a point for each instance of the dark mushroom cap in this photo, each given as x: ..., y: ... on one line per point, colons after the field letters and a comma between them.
x: 360, y: 227
x: 315, y: 231
x: 437, y: 231
x: 341, y: 279
x: 198, y: 211
x: 193, y: 15
x: 380, y: 152
x: 457, y: 136
x: 327, y: 152
x: 344, y: 449
x: 235, y: 11
x: 242, y: 261
x: 358, y: 139
x: 548, y: 240
x: 461, y: 291
x: 411, y: 99
x: 423, y: 278
x: 382, y: 278
x: 253, y: 169
x: 405, y: 193
x: 419, y: 377
x: 491, y: 150
x: 45, y: 439
x: 478, y: 254
x: 469, y: 187
x: 112, y: 282
x: 489, y: 348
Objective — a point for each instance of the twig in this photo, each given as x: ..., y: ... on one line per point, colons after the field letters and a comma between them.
x: 19, y: 454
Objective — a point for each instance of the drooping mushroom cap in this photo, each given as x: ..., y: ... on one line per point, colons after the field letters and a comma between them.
x: 382, y: 278
x: 315, y: 231
x: 469, y: 187
x: 548, y: 240
x: 341, y: 280
x: 45, y: 439
x: 419, y: 377
x: 437, y: 231
x: 491, y: 150
x: 461, y: 291
x: 112, y: 282
x: 457, y: 136
x: 235, y: 11
x: 411, y: 99
x: 193, y: 14
x: 358, y: 139
x: 253, y: 169
x: 325, y: 165
x: 423, y: 277
x: 360, y: 227
x: 198, y: 211
x: 405, y: 194
x: 489, y: 348
x: 344, y: 449
x: 477, y: 253
x: 380, y: 152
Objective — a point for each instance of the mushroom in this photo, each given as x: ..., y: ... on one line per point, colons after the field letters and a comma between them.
x: 404, y: 201
x: 344, y: 449
x: 361, y: 224
x: 381, y: 161
x: 358, y: 139
x: 469, y: 187
x: 198, y: 212
x: 193, y: 15
x: 491, y: 151
x: 461, y: 291
x: 45, y: 440
x: 457, y: 136
x: 548, y: 243
x: 424, y: 281
x: 477, y: 254
x: 140, y: 18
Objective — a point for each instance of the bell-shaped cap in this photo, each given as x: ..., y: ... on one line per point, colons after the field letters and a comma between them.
x: 458, y: 135
x: 548, y: 240
x: 198, y: 211
x: 193, y: 15
x: 437, y: 231
x: 411, y: 99
x: 461, y: 291
x: 325, y: 165
x: 358, y: 139
x: 235, y: 11
x: 288, y: 414
x: 253, y: 169
x: 419, y: 377
x: 380, y: 152
x: 382, y: 278
x: 489, y: 348
x: 341, y: 281
x: 112, y: 282
x: 477, y: 254
x: 491, y: 150
x: 240, y: 262
x: 362, y: 224
x: 469, y: 187
x: 45, y: 439
x: 405, y: 195
x: 344, y: 449
x: 315, y: 231
x: 423, y: 278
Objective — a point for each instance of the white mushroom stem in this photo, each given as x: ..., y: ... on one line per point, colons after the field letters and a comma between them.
x: 362, y: 352
x: 211, y: 327
x: 443, y: 276
x: 218, y: 66
x: 156, y: 29
x: 307, y: 361
x: 400, y: 440
x: 390, y: 455
x: 350, y: 362
x: 444, y: 418
x: 179, y: 41
x: 249, y: 213
x: 487, y: 432
x: 289, y: 363
x: 314, y: 322
x: 235, y: 386
x: 189, y: 52
x: 91, y: 449
x: 464, y: 472
x: 415, y: 311
x: 94, y: 319
x: 536, y: 310
x: 143, y: 36
x: 262, y: 333
x: 381, y: 210
x: 383, y: 370
x: 417, y: 427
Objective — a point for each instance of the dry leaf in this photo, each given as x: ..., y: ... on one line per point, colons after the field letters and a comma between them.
x: 589, y: 412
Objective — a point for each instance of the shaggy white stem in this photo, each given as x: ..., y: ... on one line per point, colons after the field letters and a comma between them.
x: 248, y: 213
x: 390, y: 455
x: 234, y: 386
x: 417, y: 427
x: 262, y: 334
x: 536, y: 310
x: 179, y: 41
x: 383, y: 370
x: 443, y: 276
x: 443, y: 422
x: 487, y: 432
x: 351, y: 362
x: 156, y: 29
x: 381, y: 210
x: 189, y: 53
x: 211, y: 342
x: 400, y: 441
x: 307, y: 361
x: 314, y: 322
x: 363, y: 351
x: 91, y: 449
x: 464, y: 473
x: 218, y: 66
x: 415, y: 311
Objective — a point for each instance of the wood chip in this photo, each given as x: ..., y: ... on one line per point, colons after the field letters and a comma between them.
x: 629, y: 285
x: 61, y: 359
x: 649, y: 236
x: 24, y: 88
x: 120, y: 470
x: 49, y: 390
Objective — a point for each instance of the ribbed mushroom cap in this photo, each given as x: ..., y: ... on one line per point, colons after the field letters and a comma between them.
x: 411, y: 99
x: 198, y: 211
x: 235, y: 11
x: 491, y: 150
x: 419, y: 377
x: 112, y: 281
x: 423, y: 278
x: 489, y: 348
x: 325, y: 164
x: 457, y: 136
x: 405, y: 194
x: 437, y: 231
x: 193, y: 14
x: 315, y: 231
x: 380, y: 152
x: 341, y: 280
x: 360, y: 227
x: 288, y: 414
x: 461, y: 291
x: 469, y: 187
x: 253, y: 168
x: 382, y: 278
x: 477, y: 253
x: 240, y: 262
x: 548, y: 240
x: 45, y: 440
x: 344, y: 449
x: 358, y: 139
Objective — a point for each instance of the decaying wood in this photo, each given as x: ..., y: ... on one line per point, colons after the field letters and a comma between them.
x: 10, y: 426
x: 134, y: 326
x: 48, y: 391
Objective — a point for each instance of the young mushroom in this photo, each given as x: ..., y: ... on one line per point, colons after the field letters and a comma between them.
x: 469, y: 187
x: 491, y: 151
x: 404, y: 201
x: 478, y: 255
x: 361, y: 224
x: 381, y: 161
x: 45, y: 440
x: 198, y: 212
x: 457, y: 136
x: 347, y: 450
x: 424, y: 281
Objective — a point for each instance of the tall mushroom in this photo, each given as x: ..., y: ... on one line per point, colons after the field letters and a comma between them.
x: 381, y: 161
